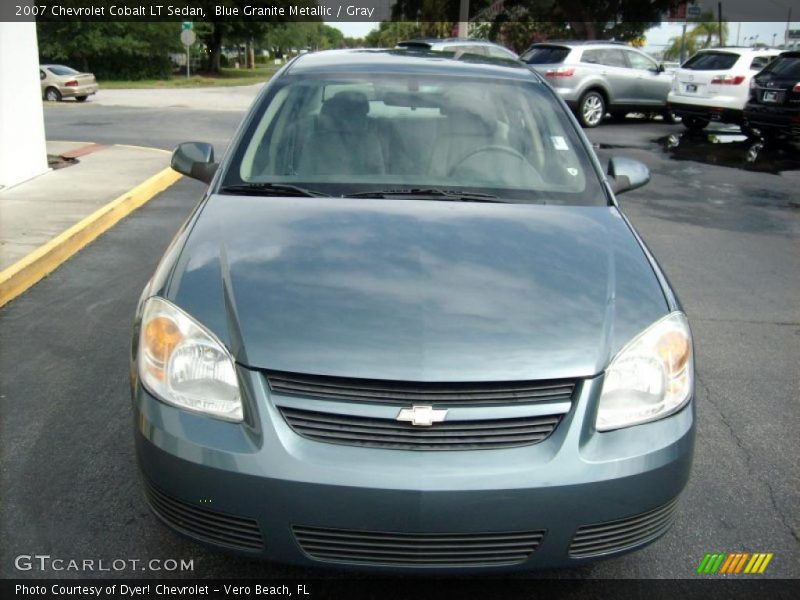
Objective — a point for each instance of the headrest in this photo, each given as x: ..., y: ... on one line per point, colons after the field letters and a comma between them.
x: 465, y: 122
x: 345, y: 111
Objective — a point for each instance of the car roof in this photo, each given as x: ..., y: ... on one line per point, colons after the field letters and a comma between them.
x: 450, y: 40
x: 741, y: 50
x: 571, y: 43
x: 408, y: 61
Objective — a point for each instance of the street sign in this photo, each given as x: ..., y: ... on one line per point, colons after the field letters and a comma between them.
x: 187, y: 25
x: 188, y: 37
x: 693, y: 11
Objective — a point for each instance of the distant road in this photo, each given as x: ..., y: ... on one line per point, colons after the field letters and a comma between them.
x: 232, y: 98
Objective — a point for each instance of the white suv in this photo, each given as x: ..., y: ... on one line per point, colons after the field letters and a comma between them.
x: 714, y: 85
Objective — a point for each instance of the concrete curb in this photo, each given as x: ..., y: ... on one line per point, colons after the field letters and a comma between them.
x: 46, y: 258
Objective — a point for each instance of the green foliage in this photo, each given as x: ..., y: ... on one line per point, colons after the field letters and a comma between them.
x: 390, y: 32
x: 112, y: 50
x: 704, y: 34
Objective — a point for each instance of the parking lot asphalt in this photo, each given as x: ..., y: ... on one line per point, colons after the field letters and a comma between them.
x: 720, y: 214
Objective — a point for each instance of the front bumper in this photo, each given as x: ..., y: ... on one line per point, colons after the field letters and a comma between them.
x: 244, y: 487
x: 711, y: 112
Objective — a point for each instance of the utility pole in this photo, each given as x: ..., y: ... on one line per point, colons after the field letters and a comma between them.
x: 719, y: 20
x: 683, y: 35
x: 463, y: 19
x: 786, y: 33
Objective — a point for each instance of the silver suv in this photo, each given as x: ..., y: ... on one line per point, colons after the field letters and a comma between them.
x: 599, y: 77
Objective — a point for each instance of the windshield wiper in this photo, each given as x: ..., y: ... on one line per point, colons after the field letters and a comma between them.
x: 438, y: 193
x: 269, y: 189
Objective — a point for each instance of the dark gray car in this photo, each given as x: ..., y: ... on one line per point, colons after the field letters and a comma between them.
x: 596, y: 78
x: 408, y: 328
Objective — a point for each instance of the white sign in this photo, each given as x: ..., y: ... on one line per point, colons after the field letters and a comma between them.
x: 188, y: 37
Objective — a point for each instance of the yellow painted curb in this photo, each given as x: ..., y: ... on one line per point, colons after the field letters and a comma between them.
x: 47, y: 258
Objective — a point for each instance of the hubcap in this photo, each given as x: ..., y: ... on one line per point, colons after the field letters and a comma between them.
x: 51, y: 96
x: 592, y: 110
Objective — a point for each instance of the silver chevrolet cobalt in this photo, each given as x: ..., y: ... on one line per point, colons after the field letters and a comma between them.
x: 408, y: 328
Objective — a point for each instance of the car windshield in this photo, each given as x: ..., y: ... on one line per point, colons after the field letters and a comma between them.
x: 59, y: 70
x: 346, y: 135
x: 711, y: 61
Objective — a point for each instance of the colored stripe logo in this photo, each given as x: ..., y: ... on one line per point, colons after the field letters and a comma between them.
x: 734, y: 563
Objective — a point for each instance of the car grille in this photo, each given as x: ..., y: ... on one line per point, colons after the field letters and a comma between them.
x: 417, y: 549
x: 209, y: 525
x: 391, y: 434
x: 614, y: 536
x: 441, y: 394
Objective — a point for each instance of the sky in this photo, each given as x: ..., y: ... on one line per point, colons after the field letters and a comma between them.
x: 657, y: 37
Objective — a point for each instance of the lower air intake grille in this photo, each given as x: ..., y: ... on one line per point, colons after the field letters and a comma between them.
x: 209, y: 525
x: 614, y: 536
x: 417, y: 549
x: 377, y: 391
x: 391, y: 434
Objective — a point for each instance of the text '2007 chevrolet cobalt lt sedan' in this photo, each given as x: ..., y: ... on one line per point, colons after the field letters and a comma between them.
x: 408, y: 328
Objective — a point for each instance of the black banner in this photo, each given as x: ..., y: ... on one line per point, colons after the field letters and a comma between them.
x: 616, y: 11
x: 390, y: 589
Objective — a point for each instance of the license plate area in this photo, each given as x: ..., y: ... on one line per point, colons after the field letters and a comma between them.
x: 770, y: 97
x: 691, y: 88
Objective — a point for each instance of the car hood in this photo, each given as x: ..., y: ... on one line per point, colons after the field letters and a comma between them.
x: 416, y: 289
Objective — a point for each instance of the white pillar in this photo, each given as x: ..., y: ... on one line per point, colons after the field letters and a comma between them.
x: 22, y: 147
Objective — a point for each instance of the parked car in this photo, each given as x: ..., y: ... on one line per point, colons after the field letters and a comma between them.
x: 596, y: 78
x: 459, y: 46
x: 774, y: 105
x: 669, y: 67
x: 408, y: 327
x: 59, y: 82
x: 714, y: 84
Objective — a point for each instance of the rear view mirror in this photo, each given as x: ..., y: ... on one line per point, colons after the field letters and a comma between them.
x: 196, y: 160
x: 625, y: 174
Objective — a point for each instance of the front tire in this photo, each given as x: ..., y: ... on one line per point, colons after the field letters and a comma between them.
x: 695, y: 123
x: 51, y: 94
x: 591, y: 109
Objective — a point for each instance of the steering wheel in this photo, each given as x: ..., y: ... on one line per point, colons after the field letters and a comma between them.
x: 481, y: 150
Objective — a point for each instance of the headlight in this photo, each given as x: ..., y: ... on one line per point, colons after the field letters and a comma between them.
x: 184, y: 364
x: 650, y: 378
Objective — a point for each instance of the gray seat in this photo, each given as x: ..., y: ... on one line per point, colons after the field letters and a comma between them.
x: 343, y: 140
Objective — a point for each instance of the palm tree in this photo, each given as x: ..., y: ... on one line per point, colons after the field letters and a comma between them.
x: 709, y: 30
x: 673, y: 50
x: 702, y: 35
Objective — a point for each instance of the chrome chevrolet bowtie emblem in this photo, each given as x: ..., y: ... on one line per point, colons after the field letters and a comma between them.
x: 422, y: 416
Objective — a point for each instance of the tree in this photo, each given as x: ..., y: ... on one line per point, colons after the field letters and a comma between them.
x: 701, y: 35
x: 390, y: 32
x: 111, y: 50
x: 216, y: 32
x: 622, y: 20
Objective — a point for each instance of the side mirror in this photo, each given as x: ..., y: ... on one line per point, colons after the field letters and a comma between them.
x: 196, y: 160
x: 625, y: 174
